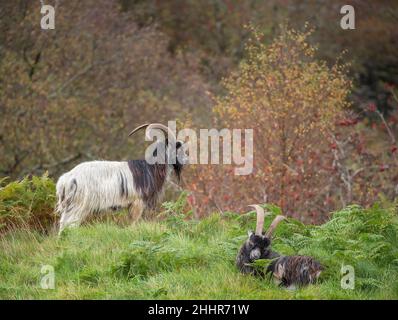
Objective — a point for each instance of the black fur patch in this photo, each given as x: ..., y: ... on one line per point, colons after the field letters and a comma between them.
x: 148, y: 180
x: 123, y: 186
x: 63, y: 194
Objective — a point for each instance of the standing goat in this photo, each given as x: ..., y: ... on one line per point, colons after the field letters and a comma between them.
x: 258, y: 244
x: 96, y: 186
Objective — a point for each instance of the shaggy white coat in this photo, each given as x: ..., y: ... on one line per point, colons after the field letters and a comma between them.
x: 92, y: 187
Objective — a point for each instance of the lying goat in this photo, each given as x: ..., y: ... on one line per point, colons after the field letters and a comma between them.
x: 258, y: 244
x: 96, y: 186
x: 288, y: 271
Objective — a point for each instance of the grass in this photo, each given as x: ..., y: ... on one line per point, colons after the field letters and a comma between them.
x: 179, y: 258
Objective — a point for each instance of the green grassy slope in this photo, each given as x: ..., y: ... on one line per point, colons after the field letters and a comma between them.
x: 178, y: 258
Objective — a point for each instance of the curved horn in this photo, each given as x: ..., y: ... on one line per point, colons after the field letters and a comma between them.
x: 138, y: 128
x: 273, y: 225
x: 155, y: 126
x: 260, y: 218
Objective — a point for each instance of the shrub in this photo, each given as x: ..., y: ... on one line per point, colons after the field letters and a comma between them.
x: 27, y: 203
x: 146, y: 258
x: 291, y: 100
x: 367, y: 239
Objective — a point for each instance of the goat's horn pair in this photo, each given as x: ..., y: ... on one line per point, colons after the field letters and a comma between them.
x: 260, y: 221
x: 151, y: 126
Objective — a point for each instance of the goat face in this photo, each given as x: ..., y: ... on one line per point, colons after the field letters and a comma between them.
x: 182, y: 159
x: 178, y: 152
x: 257, y: 246
x: 254, y: 248
x: 171, y: 154
x: 166, y: 151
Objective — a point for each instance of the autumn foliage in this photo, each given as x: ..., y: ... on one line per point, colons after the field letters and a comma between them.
x: 324, y: 131
x: 296, y: 105
x: 73, y: 94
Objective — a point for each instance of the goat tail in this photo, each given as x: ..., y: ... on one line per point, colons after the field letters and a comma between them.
x: 65, y: 191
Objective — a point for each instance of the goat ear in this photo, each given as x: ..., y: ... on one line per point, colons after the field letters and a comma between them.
x: 250, y: 233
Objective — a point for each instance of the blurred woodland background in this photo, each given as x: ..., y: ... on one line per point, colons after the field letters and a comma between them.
x: 323, y: 101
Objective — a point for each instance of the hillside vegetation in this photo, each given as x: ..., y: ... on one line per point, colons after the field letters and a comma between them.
x: 177, y: 257
x: 322, y: 101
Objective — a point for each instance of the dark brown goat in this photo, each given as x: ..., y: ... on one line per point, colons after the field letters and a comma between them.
x: 288, y: 271
x: 258, y: 244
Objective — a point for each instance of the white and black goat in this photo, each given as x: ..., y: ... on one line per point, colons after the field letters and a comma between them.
x: 96, y: 186
x: 258, y: 244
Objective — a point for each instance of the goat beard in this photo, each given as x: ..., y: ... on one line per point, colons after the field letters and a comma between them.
x: 178, y: 170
